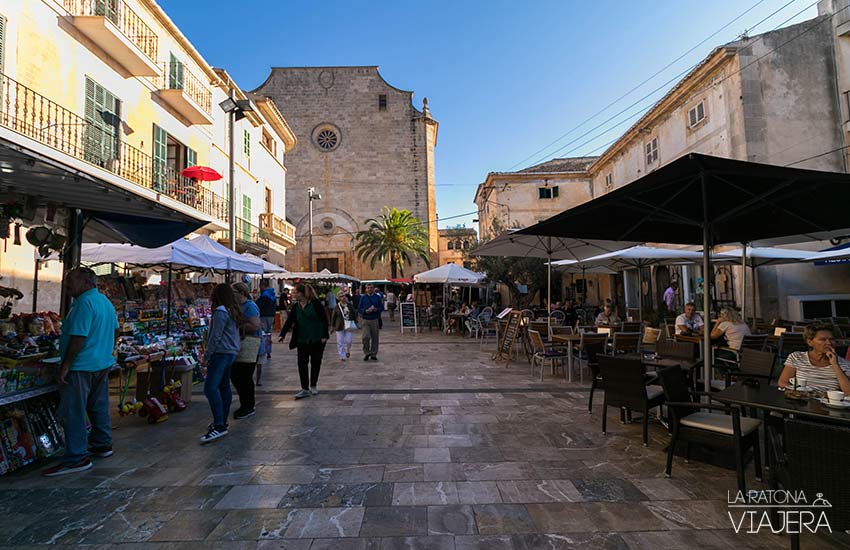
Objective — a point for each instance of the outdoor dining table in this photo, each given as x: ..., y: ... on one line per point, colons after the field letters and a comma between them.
x: 568, y: 340
x: 658, y: 363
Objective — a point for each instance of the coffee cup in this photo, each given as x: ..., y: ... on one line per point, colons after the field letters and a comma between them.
x: 792, y: 383
x: 801, y: 383
x: 835, y: 396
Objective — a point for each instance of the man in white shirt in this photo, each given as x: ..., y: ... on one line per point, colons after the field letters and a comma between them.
x: 690, y: 322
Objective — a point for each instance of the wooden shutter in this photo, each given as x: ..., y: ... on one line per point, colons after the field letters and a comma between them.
x: 246, y: 217
x: 191, y: 157
x: 175, y: 73
x: 160, y: 157
x: 2, y: 43
x: 246, y: 142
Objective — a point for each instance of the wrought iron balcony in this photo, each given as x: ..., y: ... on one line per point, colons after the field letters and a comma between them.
x: 249, y: 238
x: 280, y: 230
x: 184, y: 92
x: 116, y: 29
x: 34, y: 116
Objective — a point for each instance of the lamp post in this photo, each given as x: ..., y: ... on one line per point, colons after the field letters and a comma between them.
x: 311, y: 196
x: 235, y: 110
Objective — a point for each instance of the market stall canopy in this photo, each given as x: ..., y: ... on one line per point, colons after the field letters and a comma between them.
x: 141, y: 231
x: 179, y: 254
x: 513, y: 243
x: 638, y: 256
x: 760, y: 256
x: 268, y: 267
x: 323, y: 276
x: 234, y: 261
x: 832, y: 256
x: 450, y: 274
x: 738, y: 201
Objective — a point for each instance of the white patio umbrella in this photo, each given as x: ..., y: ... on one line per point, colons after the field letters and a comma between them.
x: 755, y: 257
x: 551, y: 248
x: 638, y: 257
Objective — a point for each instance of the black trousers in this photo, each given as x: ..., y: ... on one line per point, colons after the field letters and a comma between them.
x: 242, y: 376
x: 309, y: 363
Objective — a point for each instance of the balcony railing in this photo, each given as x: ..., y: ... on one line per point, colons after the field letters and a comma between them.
x: 176, y: 76
x: 249, y: 237
x: 277, y: 226
x: 123, y: 17
x: 30, y: 114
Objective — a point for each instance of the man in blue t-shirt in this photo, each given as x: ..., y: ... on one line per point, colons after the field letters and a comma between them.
x: 89, y: 331
x: 370, y: 307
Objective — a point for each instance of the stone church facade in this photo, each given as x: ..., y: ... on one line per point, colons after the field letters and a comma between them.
x: 362, y: 145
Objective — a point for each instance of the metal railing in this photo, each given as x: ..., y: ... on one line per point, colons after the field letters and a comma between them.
x: 123, y: 17
x: 249, y: 236
x: 275, y: 224
x: 176, y: 76
x: 30, y: 114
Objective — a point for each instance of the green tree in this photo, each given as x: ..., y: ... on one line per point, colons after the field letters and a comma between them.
x: 394, y: 237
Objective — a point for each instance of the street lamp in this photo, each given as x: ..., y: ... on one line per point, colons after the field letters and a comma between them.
x: 312, y: 196
x: 235, y: 110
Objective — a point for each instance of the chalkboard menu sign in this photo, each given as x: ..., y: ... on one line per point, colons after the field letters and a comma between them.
x: 408, y: 316
x: 508, y: 337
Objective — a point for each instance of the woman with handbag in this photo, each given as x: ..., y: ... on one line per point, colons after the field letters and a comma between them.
x: 242, y: 374
x: 221, y: 349
x: 344, y: 323
x: 308, y: 321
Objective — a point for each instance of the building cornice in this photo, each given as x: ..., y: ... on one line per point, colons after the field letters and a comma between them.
x: 163, y: 19
x: 672, y: 100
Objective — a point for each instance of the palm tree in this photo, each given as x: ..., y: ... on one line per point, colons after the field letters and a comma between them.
x: 395, y: 237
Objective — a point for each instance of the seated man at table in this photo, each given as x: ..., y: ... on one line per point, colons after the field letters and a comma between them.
x: 821, y: 367
x: 689, y: 323
x: 607, y: 317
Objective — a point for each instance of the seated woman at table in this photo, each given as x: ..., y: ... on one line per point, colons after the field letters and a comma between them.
x: 690, y: 322
x: 821, y: 367
x: 607, y: 317
x: 733, y: 328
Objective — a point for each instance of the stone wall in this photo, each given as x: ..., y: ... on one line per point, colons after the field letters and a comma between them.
x: 381, y: 157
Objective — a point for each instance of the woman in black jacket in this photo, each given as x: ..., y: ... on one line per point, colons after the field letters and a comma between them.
x: 309, y: 323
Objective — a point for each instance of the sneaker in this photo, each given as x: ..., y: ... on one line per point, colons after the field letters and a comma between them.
x: 302, y: 394
x: 367, y: 357
x: 101, y: 452
x: 268, y: 356
x: 240, y: 414
x: 374, y: 358
x: 213, y: 433
x: 314, y: 390
x: 62, y: 468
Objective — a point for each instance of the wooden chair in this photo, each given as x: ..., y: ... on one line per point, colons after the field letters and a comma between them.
x: 650, y: 339
x: 589, y: 339
x: 632, y: 326
x: 727, y: 431
x: 626, y: 389
x: 542, y: 354
x: 625, y: 342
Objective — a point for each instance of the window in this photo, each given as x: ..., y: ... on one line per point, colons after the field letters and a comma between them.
x: 457, y: 245
x: 609, y: 182
x: 160, y: 157
x: 103, y: 121
x: 170, y: 157
x: 326, y: 137
x: 466, y: 245
x: 2, y: 41
x: 451, y: 245
x: 547, y: 192
x: 246, y: 143
x: 176, y: 75
x: 382, y: 102
x: 696, y: 114
x: 246, y: 215
x: 652, y: 150
x: 268, y: 200
x: 269, y: 143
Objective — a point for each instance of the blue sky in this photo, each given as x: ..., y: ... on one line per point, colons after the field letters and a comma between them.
x: 503, y: 78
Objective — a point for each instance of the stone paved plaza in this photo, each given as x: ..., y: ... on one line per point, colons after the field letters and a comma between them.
x: 434, y: 447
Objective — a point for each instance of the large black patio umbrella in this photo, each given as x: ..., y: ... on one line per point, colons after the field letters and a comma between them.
x: 705, y: 200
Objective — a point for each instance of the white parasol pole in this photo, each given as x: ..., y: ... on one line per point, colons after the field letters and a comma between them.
x: 744, y: 282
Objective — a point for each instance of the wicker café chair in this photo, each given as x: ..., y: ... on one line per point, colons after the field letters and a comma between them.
x: 625, y: 388
x: 728, y: 432
x: 815, y: 462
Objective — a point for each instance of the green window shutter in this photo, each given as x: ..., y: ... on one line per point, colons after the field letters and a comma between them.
x: 246, y: 142
x: 2, y: 41
x: 191, y: 157
x: 160, y: 157
x: 103, y: 124
x: 555, y: 192
x: 246, y: 216
x: 107, y: 8
x: 175, y: 73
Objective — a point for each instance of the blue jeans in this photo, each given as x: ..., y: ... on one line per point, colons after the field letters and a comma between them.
x: 217, y: 386
x: 85, y: 392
